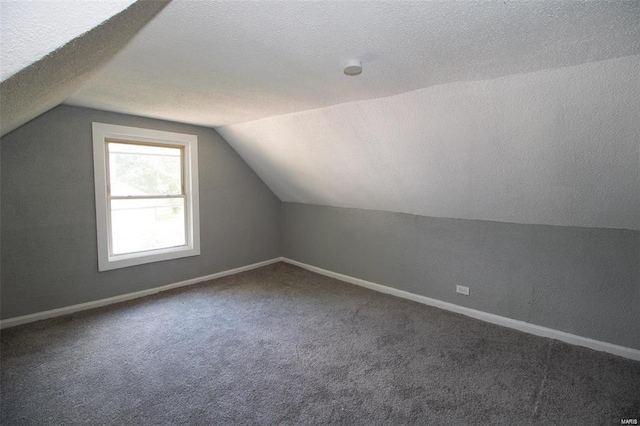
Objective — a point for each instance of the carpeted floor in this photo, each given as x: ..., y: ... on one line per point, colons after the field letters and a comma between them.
x: 281, y: 345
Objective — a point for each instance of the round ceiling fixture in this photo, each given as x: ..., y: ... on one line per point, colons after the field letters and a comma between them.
x: 353, y: 67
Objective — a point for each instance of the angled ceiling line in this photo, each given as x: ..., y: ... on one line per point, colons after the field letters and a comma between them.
x: 49, y: 81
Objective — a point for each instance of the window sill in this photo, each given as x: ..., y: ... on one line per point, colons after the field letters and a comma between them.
x: 140, y: 258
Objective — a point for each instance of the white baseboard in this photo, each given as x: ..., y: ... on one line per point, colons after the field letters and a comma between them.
x: 483, y: 316
x: 11, y: 322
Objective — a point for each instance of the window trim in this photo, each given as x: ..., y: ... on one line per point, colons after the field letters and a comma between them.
x: 102, y: 132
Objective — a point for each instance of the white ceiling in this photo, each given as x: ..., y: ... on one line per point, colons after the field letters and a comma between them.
x: 30, y: 30
x: 558, y: 147
x: 73, y: 56
x: 218, y: 63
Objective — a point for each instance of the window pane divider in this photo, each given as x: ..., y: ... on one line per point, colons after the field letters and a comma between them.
x: 144, y: 197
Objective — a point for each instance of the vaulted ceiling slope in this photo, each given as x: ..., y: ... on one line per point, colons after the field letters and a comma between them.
x: 30, y: 30
x: 556, y: 147
x: 49, y: 49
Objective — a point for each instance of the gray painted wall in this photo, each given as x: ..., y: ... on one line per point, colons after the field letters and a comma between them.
x: 583, y: 281
x: 580, y: 280
x: 48, y: 229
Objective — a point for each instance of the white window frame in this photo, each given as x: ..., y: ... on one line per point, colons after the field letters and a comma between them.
x: 102, y: 132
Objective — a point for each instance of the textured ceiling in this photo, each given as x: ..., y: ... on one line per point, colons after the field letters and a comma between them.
x: 51, y: 79
x: 554, y: 147
x: 30, y: 30
x: 218, y: 63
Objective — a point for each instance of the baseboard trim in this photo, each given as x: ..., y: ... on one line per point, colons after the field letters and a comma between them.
x: 526, y: 327
x: 12, y: 322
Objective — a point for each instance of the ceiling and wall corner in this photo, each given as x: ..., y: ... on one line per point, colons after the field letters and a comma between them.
x: 57, y: 52
x: 507, y: 111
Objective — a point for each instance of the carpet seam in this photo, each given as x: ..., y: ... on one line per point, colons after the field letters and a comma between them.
x: 536, y: 404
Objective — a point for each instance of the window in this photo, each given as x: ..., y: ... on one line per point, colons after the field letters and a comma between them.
x: 146, y: 195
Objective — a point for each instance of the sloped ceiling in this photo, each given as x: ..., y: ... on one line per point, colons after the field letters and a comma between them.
x: 30, y: 30
x: 556, y: 147
x: 499, y: 110
x: 49, y: 49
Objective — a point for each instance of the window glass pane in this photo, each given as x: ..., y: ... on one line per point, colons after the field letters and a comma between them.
x: 144, y: 170
x: 138, y: 225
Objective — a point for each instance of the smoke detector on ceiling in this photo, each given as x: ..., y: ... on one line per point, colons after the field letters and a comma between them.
x: 353, y: 67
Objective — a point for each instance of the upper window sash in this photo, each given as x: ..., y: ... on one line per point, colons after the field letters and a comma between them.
x: 109, y: 142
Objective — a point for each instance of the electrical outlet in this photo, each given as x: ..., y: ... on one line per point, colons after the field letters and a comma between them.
x: 462, y: 290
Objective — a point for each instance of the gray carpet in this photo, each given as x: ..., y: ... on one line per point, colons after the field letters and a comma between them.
x: 281, y: 345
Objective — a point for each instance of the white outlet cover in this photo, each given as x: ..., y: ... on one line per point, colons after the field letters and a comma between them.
x: 462, y: 290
